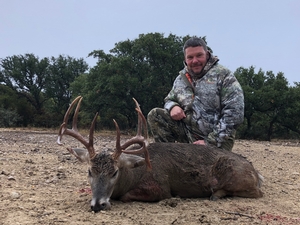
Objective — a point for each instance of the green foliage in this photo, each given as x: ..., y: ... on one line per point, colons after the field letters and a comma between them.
x: 14, y: 110
x: 8, y: 97
x: 62, y: 72
x: 290, y: 119
x: 9, y: 118
x: 268, y: 101
x: 26, y: 74
x: 41, y: 86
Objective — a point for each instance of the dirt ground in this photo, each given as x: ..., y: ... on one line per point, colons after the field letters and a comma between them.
x: 41, y: 183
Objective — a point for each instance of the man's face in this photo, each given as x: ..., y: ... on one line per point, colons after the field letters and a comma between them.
x: 195, y: 58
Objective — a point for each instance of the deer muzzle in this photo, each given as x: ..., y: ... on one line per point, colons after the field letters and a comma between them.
x: 100, y: 204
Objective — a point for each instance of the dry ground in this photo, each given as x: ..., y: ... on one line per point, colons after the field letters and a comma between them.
x: 41, y: 183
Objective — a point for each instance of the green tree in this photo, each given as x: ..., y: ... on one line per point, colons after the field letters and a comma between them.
x: 267, y: 98
x: 62, y: 72
x: 8, y: 109
x: 252, y: 83
x: 26, y: 74
x: 43, y: 83
x: 290, y: 118
x: 275, y: 93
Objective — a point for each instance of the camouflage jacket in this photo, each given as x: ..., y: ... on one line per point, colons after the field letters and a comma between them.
x: 213, y: 104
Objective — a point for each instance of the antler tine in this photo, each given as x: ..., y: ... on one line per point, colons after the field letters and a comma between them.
x: 118, y: 150
x: 91, y: 137
x: 139, y: 129
x: 66, y: 118
x: 141, y: 120
x: 135, y: 140
x: 74, y: 131
x: 138, y: 139
x: 137, y: 104
x: 75, y: 117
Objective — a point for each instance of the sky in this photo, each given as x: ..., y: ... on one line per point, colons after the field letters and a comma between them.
x: 260, y: 33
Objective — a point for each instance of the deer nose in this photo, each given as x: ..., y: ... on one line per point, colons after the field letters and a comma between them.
x: 98, y: 207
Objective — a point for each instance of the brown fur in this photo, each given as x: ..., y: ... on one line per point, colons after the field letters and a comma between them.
x: 188, y: 170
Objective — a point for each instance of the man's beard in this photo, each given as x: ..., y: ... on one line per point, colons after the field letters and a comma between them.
x: 195, y: 75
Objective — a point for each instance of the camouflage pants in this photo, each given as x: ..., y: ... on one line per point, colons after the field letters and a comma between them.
x: 165, y: 129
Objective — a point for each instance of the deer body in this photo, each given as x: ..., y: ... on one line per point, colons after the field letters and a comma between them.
x: 176, y: 169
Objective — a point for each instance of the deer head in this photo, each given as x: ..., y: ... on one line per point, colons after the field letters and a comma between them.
x: 104, y: 166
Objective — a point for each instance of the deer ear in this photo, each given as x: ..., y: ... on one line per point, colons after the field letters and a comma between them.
x: 130, y: 161
x: 81, y: 154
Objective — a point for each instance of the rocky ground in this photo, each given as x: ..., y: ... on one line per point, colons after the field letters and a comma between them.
x: 41, y: 183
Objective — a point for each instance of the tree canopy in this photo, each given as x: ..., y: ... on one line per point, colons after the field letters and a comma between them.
x: 35, y: 81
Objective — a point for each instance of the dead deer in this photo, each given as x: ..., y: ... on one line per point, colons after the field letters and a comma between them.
x: 176, y: 169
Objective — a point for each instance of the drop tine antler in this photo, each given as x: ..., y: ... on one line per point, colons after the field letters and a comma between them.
x: 74, y: 131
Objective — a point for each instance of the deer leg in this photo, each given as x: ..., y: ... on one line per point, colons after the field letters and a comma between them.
x: 251, y: 193
x: 217, y: 195
x: 148, y: 191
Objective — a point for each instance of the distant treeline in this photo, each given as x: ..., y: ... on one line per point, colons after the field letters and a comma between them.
x: 36, y: 92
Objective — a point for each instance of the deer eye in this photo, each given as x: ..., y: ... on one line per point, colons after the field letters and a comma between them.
x: 115, y: 173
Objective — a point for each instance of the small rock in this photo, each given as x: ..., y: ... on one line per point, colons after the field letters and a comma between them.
x: 11, y: 178
x: 4, y: 173
x: 29, y: 161
x: 60, y: 169
x: 15, y: 195
x: 61, y: 175
x: 30, y: 173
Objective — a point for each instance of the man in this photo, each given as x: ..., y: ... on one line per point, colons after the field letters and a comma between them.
x: 205, y: 105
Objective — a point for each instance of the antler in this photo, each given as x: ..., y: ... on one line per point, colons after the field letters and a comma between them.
x: 138, y: 139
x: 74, y: 131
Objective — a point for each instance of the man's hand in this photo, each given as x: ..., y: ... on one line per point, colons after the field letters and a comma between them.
x: 177, y: 113
x: 199, y: 142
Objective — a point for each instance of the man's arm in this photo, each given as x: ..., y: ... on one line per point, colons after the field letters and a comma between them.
x: 232, y: 115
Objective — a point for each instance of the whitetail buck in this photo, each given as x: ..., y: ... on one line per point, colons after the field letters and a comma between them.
x: 176, y: 169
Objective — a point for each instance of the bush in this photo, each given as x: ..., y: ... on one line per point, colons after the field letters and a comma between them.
x: 9, y: 118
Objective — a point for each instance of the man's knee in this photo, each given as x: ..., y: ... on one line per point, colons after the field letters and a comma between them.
x: 152, y: 118
x: 228, y: 144
x: 158, y: 115
x: 152, y: 115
